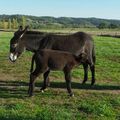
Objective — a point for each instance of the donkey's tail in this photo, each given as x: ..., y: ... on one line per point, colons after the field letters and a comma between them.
x: 93, y: 55
x: 32, y: 63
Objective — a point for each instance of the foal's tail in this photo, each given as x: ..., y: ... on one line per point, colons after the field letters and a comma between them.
x: 32, y: 63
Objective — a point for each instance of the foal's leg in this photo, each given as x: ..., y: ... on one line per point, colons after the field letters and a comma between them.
x: 85, y: 66
x: 46, y: 76
x: 46, y: 80
x: 33, y: 76
x: 68, y: 81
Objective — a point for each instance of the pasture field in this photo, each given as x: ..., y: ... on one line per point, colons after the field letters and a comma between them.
x: 92, y: 31
x: 98, y: 102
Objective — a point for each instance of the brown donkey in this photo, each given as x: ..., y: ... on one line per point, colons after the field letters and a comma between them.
x: 47, y: 60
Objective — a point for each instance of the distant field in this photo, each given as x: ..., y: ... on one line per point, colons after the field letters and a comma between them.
x: 100, y: 102
x: 92, y: 31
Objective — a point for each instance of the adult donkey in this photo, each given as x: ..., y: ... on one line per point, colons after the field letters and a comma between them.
x: 76, y: 43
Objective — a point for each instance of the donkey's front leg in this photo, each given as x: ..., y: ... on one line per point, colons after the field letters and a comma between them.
x: 31, y: 84
x: 33, y: 76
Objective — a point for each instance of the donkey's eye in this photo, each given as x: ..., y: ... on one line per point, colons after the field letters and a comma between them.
x: 14, y: 45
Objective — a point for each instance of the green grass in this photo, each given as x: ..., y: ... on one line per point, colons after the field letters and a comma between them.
x: 100, y: 102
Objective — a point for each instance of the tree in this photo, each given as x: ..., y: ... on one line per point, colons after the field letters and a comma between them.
x: 4, y: 24
x: 9, y: 24
x: 102, y: 25
x: 113, y: 26
x: 1, y: 26
x: 16, y: 23
x: 13, y: 23
x: 23, y: 21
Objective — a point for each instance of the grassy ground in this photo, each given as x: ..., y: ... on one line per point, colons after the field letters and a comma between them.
x: 100, y: 102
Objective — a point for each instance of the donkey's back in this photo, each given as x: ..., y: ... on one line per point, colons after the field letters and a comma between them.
x: 76, y: 43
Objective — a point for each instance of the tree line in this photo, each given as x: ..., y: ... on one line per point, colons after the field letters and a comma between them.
x: 13, y: 23
x: 104, y: 25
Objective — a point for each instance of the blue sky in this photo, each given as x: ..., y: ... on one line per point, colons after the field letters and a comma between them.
x: 109, y: 9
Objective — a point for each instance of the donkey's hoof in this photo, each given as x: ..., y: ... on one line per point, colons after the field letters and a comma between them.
x: 83, y: 82
x: 42, y: 91
x: 45, y: 89
x: 71, y: 95
x: 30, y: 95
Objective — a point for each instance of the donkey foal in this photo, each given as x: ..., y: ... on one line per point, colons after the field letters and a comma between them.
x: 47, y: 60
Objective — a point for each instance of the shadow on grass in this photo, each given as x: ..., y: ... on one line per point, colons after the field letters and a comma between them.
x: 75, y: 85
x: 18, y: 89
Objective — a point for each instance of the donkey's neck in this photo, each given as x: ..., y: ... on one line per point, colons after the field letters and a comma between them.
x: 32, y: 45
x: 32, y: 41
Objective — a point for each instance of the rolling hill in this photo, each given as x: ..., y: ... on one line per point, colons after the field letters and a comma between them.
x: 60, y: 22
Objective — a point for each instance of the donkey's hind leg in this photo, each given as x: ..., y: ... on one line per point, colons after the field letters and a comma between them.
x: 46, y: 80
x: 85, y: 66
x: 92, y: 68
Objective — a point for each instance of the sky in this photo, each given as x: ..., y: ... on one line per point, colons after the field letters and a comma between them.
x: 108, y: 9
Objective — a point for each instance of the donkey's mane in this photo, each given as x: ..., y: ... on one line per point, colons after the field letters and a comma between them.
x: 43, y: 33
x: 38, y: 32
x: 35, y: 32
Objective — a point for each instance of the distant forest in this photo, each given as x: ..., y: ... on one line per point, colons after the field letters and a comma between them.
x: 13, y: 21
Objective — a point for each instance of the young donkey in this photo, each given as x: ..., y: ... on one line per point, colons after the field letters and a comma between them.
x: 47, y: 60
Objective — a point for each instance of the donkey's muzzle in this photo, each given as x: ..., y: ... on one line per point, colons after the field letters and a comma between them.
x: 12, y: 57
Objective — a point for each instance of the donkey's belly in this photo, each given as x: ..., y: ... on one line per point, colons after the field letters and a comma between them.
x: 56, y: 67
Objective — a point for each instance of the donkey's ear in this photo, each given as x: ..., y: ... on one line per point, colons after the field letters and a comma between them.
x: 20, y: 28
x: 24, y: 31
